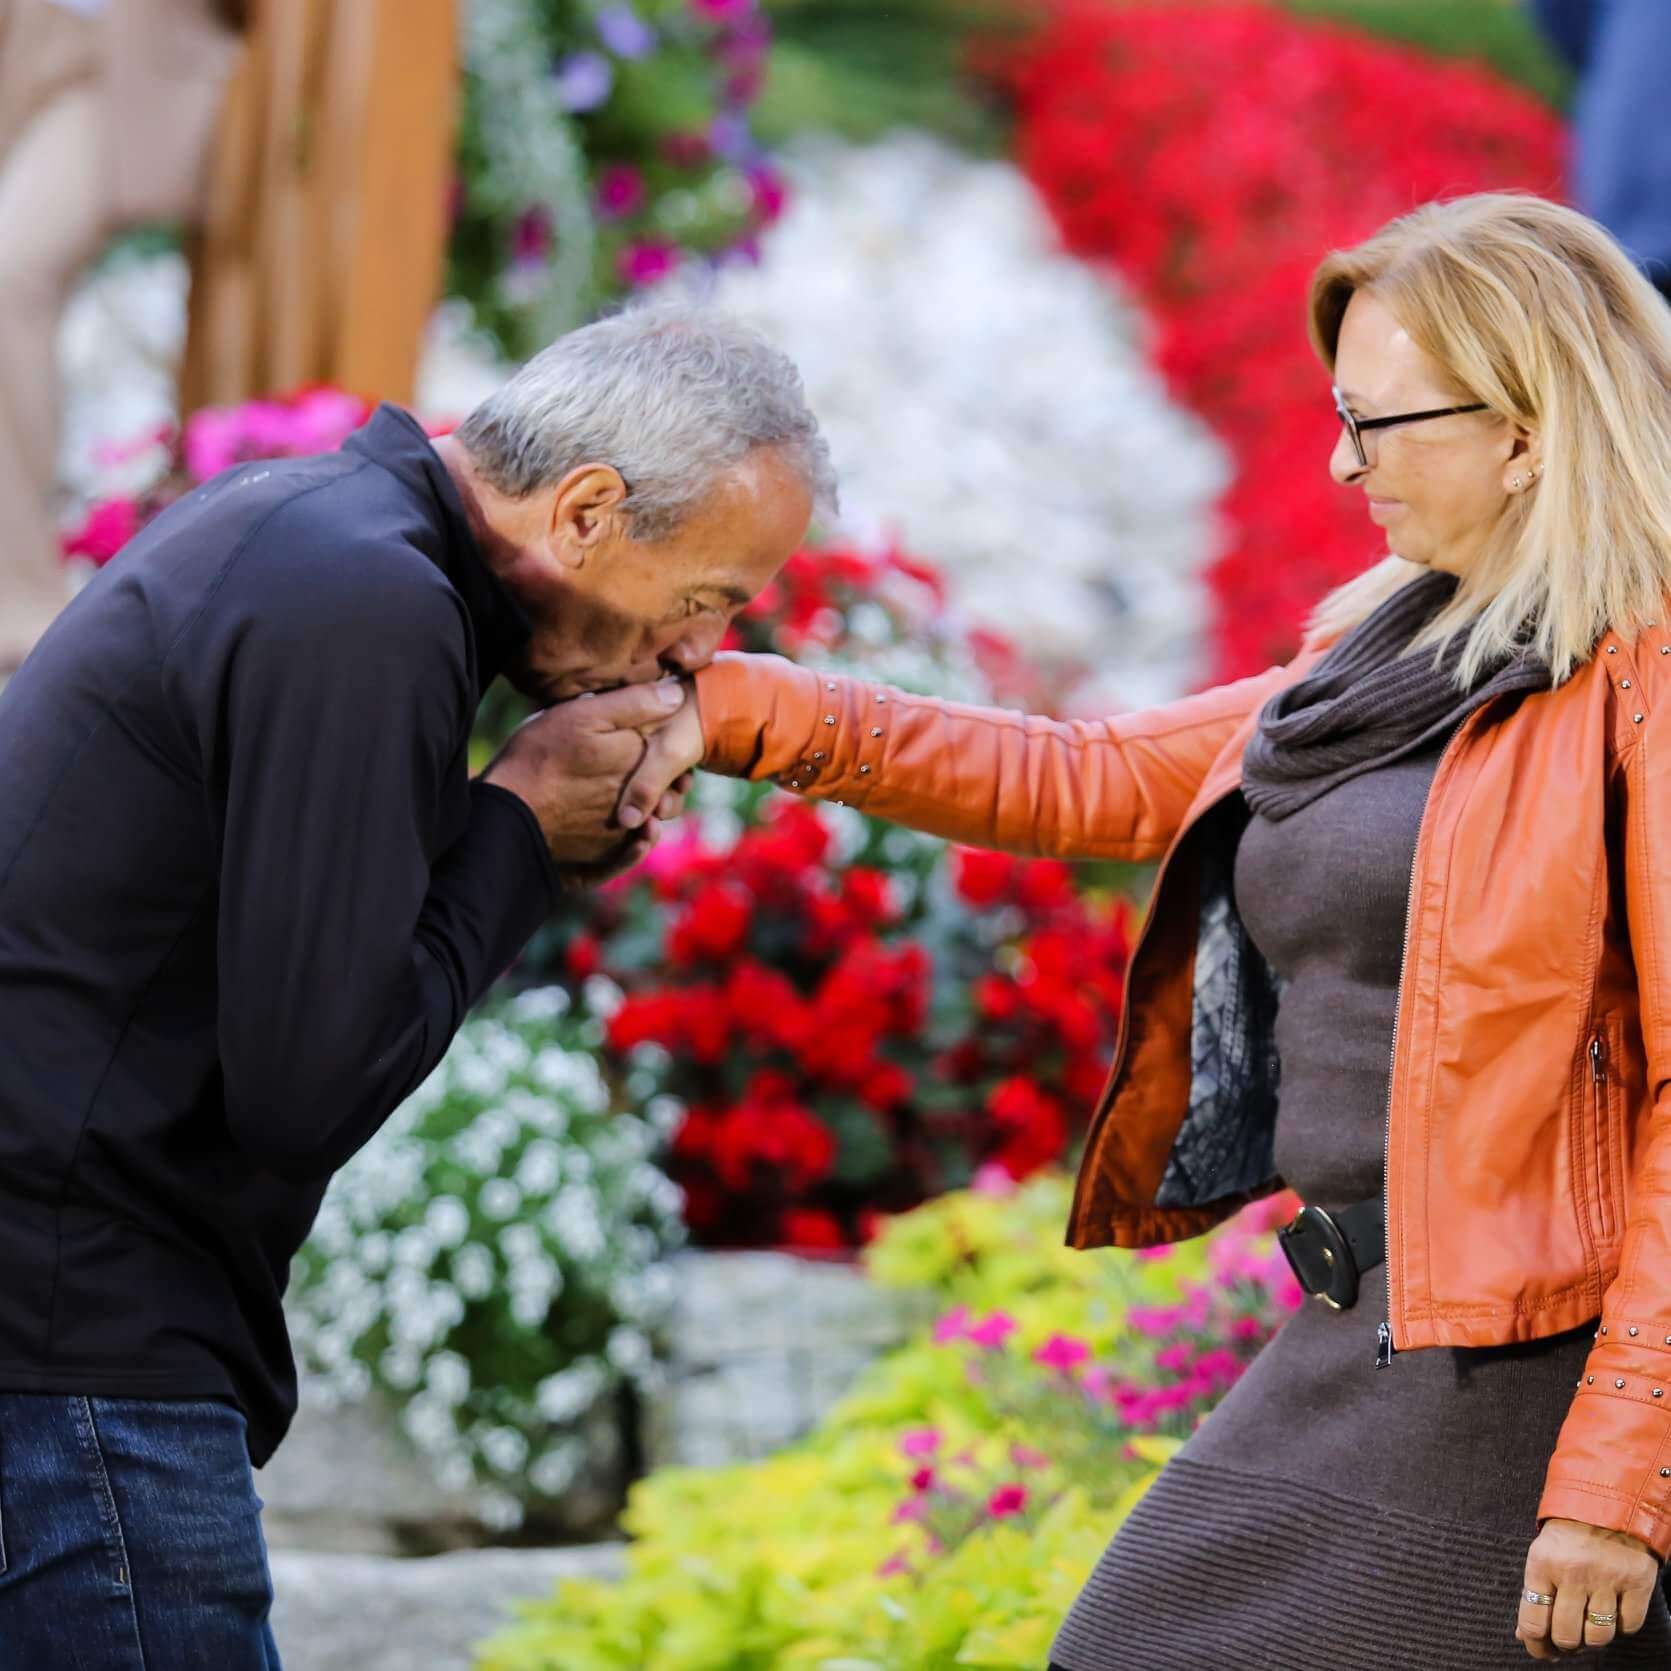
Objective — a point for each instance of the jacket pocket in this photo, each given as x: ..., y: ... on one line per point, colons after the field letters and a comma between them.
x: 1604, y: 1133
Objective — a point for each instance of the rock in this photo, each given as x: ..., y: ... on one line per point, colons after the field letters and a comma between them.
x: 346, y: 1480
x: 338, y: 1612
x: 762, y: 1345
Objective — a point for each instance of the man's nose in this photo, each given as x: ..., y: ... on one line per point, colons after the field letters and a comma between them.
x: 693, y: 651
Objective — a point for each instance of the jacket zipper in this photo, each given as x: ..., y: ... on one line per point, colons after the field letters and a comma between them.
x: 1384, y: 1347
x: 1598, y: 1089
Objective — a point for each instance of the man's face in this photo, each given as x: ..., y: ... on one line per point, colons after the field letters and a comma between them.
x: 610, y: 610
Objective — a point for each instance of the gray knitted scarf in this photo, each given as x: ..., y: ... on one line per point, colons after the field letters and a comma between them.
x: 1361, y: 707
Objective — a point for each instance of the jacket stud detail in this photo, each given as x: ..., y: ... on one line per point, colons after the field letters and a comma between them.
x: 1624, y: 684
x: 818, y: 754
x: 1604, y: 1328
x: 864, y: 771
x: 1588, y: 1379
x: 1636, y: 719
x: 1612, y: 649
x: 876, y: 731
x: 839, y: 803
x: 829, y: 719
x: 829, y: 684
x: 1665, y: 649
x: 1659, y: 1392
x: 1633, y: 1331
x: 881, y: 696
x: 794, y: 783
x: 1620, y: 1385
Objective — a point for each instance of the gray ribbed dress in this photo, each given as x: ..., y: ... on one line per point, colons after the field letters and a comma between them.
x: 1328, y: 1514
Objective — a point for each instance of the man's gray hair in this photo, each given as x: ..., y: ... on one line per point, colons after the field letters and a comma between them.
x: 671, y: 396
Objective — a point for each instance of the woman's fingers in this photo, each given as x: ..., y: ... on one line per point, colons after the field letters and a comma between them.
x: 1601, y: 1604
x: 1532, y: 1623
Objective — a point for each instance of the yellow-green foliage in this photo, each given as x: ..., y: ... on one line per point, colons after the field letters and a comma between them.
x: 774, y: 1566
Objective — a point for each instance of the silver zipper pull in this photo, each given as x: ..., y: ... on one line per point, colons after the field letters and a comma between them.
x: 1383, y: 1345
x: 1598, y: 1066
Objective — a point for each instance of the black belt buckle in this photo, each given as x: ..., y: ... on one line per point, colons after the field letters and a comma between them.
x: 1319, y: 1257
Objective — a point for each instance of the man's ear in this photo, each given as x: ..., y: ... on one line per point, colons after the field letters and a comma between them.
x: 586, y: 508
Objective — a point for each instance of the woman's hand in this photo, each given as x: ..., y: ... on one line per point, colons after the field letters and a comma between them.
x: 1587, y: 1569
x: 672, y: 751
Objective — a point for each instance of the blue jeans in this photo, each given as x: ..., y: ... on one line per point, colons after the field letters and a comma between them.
x: 130, y: 1538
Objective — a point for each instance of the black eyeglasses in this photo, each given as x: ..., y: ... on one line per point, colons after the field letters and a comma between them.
x: 1356, y: 426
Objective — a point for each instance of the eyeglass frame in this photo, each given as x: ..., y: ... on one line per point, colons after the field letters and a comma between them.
x: 1355, y: 426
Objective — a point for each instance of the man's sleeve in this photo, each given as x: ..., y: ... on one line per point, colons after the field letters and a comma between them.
x: 350, y: 945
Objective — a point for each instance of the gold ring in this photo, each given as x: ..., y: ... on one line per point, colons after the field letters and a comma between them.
x: 1600, y: 1618
x: 1538, y: 1600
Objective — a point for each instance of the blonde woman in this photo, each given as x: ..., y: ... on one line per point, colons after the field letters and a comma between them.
x: 1409, y: 953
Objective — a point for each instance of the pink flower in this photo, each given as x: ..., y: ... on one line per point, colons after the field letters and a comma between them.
x: 109, y: 527
x: 648, y: 262
x: 908, y: 1512
x: 1062, y: 1352
x: 1164, y: 1251
x: 953, y: 1326
x: 920, y: 1441
x: 722, y: 11
x: 1247, y: 1328
x: 1175, y: 1357
x: 1153, y: 1321
x: 1024, y: 1456
x: 896, y: 1566
x: 993, y: 1178
x: 620, y: 191
x: 991, y: 1332
x: 1007, y: 1500
x: 923, y: 1479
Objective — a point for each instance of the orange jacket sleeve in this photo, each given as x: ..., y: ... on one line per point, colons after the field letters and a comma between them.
x: 992, y: 777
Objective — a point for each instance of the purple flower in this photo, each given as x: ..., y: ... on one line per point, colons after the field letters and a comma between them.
x: 625, y: 33
x: 584, y: 81
x: 620, y: 191
x: 733, y: 139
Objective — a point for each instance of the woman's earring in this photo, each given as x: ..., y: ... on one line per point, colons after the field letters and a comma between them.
x: 1515, y: 483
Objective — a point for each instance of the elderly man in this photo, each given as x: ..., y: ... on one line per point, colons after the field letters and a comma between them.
x: 248, y: 893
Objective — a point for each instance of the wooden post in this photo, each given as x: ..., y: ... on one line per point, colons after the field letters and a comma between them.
x: 324, y: 244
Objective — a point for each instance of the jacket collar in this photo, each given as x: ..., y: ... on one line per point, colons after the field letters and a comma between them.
x: 394, y: 439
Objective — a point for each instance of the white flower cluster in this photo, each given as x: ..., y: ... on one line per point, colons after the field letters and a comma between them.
x: 989, y: 403
x: 492, y: 1258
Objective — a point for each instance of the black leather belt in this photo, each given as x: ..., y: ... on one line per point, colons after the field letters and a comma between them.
x: 1328, y: 1252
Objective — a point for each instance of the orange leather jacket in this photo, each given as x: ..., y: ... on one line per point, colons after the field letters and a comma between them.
x: 1528, y: 1160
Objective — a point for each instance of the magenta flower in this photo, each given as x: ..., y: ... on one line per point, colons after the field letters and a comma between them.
x: 620, y: 191
x: 649, y: 262
x: 1153, y: 1320
x: 1007, y: 1500
x: 953, y: 1326
x: 923, y: 1479
x: 1176, y: 1357
x: 531, y: 239
x: 723, y: 11
x: 1062, y: 1352
x: 1246, y: 1328
x: 1024, y: 1456
x: 686, y: 150
x: 991, y: 1332
x: 109, y: 527
x: 896, y: 1566
x: 1164, y: 1251
x: 908, y: 1512
x: 920, y: 1441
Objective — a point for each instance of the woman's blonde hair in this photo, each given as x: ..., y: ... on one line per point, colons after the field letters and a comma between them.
x: 1533, y: 309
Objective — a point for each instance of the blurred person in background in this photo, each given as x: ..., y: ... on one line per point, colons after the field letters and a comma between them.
x: 1620, y: 51
x: 107, y: 111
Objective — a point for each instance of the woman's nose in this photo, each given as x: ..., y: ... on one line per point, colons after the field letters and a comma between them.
x: 1343, y: 461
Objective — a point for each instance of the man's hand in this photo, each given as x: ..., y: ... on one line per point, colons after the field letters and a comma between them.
x: 571, y: 762
x: 670, y: 756
x: 1586, y: 1569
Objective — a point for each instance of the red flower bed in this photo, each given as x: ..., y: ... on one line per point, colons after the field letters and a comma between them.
x: 1212, y: 154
